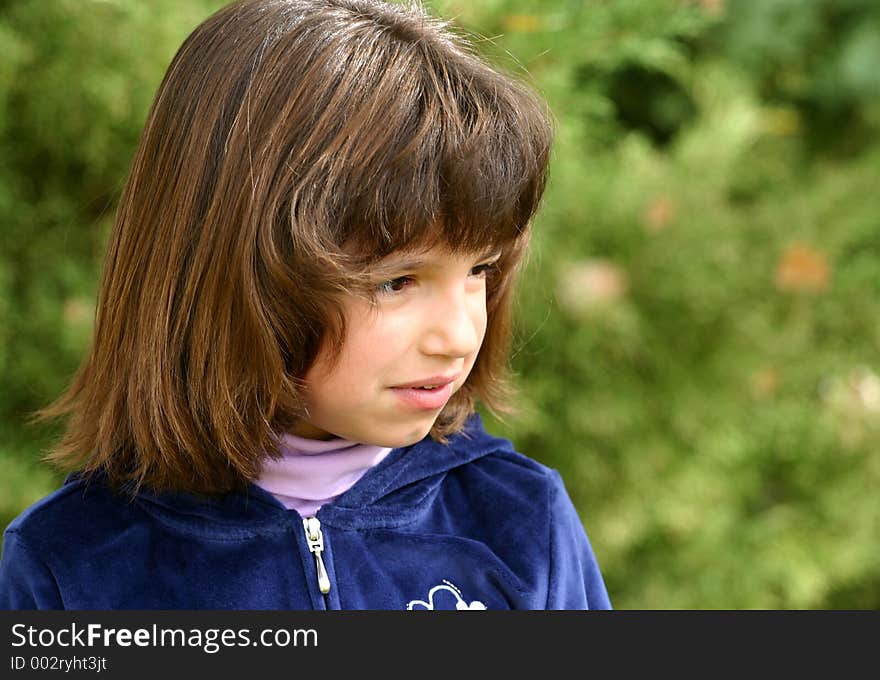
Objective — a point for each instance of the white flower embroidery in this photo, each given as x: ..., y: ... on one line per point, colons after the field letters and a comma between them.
x: 460, y: 603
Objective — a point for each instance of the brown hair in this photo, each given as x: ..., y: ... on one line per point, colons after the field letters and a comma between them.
x: 291, y: 144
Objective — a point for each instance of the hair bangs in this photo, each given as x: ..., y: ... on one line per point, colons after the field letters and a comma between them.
x: 463, y: 166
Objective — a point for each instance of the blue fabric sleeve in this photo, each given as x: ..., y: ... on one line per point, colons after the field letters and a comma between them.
x: 575, y: 579
x: 25, y: 581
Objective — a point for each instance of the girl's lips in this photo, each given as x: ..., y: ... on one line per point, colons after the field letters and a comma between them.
x: 424, y: 399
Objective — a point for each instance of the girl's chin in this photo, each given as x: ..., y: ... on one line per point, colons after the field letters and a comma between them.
x: 399, y: 440
x: 393, y: 435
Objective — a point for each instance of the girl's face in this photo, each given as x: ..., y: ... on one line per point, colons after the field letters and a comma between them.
x: 424, y: 330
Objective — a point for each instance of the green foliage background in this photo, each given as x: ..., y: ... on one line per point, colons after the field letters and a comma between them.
x: 698, y: 336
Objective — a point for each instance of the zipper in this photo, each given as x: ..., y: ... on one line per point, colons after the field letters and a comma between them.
x: 315, y: 539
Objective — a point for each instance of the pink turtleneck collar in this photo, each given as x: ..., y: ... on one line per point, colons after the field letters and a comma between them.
x: 313, y: 472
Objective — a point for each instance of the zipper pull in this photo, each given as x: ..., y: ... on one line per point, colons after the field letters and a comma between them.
x: 315, y: 538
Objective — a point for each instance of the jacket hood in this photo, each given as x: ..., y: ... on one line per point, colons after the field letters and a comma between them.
x: 389, y: 494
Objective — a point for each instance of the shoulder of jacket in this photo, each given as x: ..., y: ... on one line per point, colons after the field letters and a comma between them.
x: 500, y: 452
x: 518, y: 463
x: 64, y: 511
x: 505, y: 471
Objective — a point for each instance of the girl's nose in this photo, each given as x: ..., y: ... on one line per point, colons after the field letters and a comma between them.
x: 455, y: 326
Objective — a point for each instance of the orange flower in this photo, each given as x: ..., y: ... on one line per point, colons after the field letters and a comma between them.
x: 765, y: 382
x: 802, y: 268
x: 659, y: 213
x: 714, y: 8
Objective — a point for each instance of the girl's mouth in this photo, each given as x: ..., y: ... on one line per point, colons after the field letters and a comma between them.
x: 424, y: 396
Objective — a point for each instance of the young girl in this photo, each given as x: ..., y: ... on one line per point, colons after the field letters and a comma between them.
x: 306, y: 291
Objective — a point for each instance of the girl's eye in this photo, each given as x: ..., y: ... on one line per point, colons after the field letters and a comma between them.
x: 483, y: 270
x: 394, y: 285
x: 401, y: 283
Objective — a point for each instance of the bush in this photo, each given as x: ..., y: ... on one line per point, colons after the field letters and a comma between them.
x: 697, y: 340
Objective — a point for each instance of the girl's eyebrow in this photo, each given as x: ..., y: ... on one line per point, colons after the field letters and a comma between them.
x: 417, y: 262
x: 491, y: 254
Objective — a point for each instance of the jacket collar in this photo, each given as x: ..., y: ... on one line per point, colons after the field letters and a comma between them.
x: 390, y: 494
x: 394, y: 491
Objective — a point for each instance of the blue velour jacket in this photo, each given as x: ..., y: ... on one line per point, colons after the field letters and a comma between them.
x: 469, y: 525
